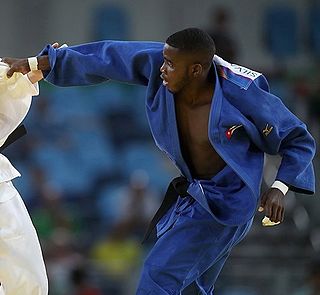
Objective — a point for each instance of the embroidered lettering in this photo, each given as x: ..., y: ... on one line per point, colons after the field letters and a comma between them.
x: 245, y: 71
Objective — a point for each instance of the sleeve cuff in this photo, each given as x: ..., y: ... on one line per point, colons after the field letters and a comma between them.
x: 51, y: 52
x: 280, y: 186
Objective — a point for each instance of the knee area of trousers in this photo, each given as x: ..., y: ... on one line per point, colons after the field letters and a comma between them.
x: 158, y: 280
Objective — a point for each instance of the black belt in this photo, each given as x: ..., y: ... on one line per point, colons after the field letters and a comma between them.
x: 14, y: 136
x: 177, y: 187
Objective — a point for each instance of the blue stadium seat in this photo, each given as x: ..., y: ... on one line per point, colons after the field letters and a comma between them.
x: 314, y: 29
x: 63, y: 169
x: 108, y: 203
x: 145, y: 157
x: 24, y: 183
x: 281, y: 28
x: 110, y: 22
x: 239, y: 291
x: 94, y: 151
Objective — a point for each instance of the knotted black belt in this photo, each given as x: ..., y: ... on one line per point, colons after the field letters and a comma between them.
x: 14, y: 136
x: 177, y: 187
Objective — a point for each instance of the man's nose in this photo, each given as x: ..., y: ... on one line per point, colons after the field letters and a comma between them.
x: 162, y: 68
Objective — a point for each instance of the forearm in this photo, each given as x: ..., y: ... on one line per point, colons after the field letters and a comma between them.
x: 296, y: 169
x: 92, y: 63
x: 281, y: 132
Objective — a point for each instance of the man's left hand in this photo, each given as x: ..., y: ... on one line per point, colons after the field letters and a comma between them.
x: 272, y: 203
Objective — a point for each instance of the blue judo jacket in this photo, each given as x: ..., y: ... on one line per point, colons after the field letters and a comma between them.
x: 245, y: 122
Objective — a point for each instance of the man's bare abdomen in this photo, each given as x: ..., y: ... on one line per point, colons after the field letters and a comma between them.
x: 202, y: 160
x: 199, y: 154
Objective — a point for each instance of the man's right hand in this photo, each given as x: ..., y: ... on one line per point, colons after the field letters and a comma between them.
x: 21, y: 65
x: 16, y: 65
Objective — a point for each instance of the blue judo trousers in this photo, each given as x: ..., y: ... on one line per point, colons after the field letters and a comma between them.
x: 192, y: 245
x: 198, y: 232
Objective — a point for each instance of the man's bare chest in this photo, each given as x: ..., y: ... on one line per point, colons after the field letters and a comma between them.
x: 196, y: 148
x: 193, y: 126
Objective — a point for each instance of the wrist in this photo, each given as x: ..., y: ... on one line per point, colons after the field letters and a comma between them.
x: 33, y: 63
x: 43, y: 63
x: 280, y: 186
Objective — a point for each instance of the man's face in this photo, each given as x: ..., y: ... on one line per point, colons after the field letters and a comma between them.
x: 175, y: 69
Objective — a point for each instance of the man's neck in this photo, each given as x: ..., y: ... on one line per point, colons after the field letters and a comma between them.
x: 197, y: 93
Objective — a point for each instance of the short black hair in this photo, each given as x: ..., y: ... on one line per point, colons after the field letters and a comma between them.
x: 193, y: 40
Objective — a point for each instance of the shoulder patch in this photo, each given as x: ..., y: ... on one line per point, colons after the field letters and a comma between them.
x: 237, y: 74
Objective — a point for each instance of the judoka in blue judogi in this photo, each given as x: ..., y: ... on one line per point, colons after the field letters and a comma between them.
x: 197, y: 233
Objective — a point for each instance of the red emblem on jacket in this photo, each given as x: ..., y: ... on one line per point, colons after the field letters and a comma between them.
x: 230, y: 131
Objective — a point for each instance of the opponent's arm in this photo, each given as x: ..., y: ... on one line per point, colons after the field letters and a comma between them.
x: 35, y: 76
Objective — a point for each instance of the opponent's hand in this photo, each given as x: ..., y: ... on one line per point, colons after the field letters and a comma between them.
x: 272, y: 203
x: 35, y: 76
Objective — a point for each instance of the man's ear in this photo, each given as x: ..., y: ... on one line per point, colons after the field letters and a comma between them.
x: 196, y: 70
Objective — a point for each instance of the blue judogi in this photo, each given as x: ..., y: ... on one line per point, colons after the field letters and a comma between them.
x: 195, y: 238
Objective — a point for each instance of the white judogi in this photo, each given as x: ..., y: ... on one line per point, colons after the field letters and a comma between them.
x: 22, y: 269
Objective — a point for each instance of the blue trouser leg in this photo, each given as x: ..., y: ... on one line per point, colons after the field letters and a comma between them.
x: 186, y: 251
x: 207, y: 280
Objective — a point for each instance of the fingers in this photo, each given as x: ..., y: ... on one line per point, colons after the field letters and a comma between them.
x: 15, y: 68
x: 271, y: 211
x: 275, y: 212
x: 273, y: 205
x: 10, y: 72
x: 268, y: 210
x: 7, y: 60
x: 282, y: 215
x: 55, y: 45
x: 17, y: 65
x: 263, y: 201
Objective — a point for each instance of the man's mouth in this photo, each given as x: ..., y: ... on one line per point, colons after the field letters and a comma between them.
x: 164, y: 82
